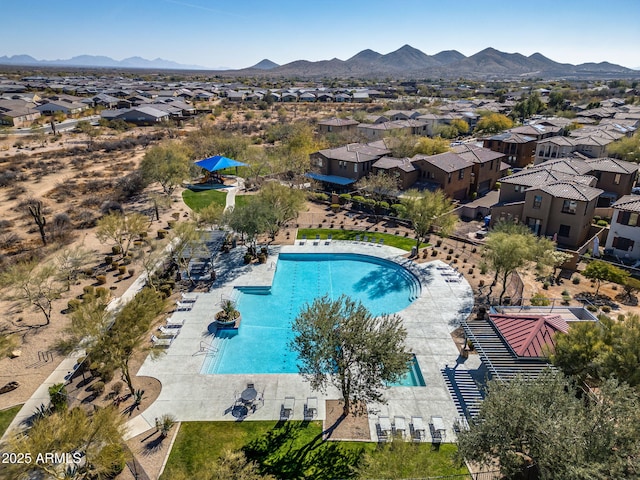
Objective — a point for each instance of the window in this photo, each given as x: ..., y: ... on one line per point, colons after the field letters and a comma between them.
x: 616, y: 179
x: 564, y: 231
x: 537, y: 201
x: 355, y: 168
x: 461, y: 174
x: 569, y: 206
x: 449, y: 180
x: 319, y: 162
x: 519, y: 188
x: 628, y: 218
x: 622, y: 243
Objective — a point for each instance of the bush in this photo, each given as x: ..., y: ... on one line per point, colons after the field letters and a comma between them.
x: 131, y: 271
x: 345, y: 198
x: 89, y: 290
x: 592, y: 308
x: 602, y: 223
x: 116, y: 388
x: 398, y: 209
x: 539, y: 300
x: 97, y: 387
x: 101, y: 279
x: 116, y: 250
x: 58, y: 396
x: 162, y: 234
x: 546, y: 285
x: 606, y: 308
x: 575, y: 280
x: 73, y: 304
x: 122, y: 270
x: 102, y: 292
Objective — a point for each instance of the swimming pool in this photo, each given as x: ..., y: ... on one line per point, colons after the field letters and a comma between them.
x: 260, y: 345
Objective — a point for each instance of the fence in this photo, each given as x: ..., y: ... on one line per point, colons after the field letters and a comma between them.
x: 492, y: 475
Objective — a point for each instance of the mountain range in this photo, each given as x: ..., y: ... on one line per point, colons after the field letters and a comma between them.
x: 406, y: 62
x: 99, y: 61
x: 409, y: 62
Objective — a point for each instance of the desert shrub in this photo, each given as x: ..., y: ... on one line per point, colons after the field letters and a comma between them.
x: 539, y: 300
x: 116, y: 388
x: 575, y: 280
x: 111, y: 206
x: 130, y: 185
x: 85, y: 219
x: 602, y: 223
x: 73, y: 304
x: 8, y: 240
x: 97, y: 387
x: 61, y: 226
x: 606, y: 308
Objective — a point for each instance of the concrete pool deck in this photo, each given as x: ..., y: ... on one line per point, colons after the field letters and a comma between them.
x: 191, y: 396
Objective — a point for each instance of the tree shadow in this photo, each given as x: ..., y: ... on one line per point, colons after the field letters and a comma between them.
x: 277, y: 454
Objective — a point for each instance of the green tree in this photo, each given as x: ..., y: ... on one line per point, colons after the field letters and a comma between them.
x: 249, y: 220
x: 493, y: 123
x: 121, y: 229
x: 602, y: 271
x: 129, y: 333
x: 541, y: 428
x: 166, y: 164
x: 279, y: 205
x: 431, y: 146
x: 187, y: 242
x: 211, y: 215
x: 509, y: 247
x: 341, y: 343
x: 626, y: 148
x: 71, y: 262
x: 429, y: 211
x: 528, y: 106
x: 460, y: 125
x: 94, y: 443
x: 32, y: 284
x: 597, y: 351
x: 380, y: 185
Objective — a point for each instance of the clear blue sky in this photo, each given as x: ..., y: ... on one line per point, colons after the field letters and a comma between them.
x: 240, y: 33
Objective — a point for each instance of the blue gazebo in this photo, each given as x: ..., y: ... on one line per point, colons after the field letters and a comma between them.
x: 218, y: 162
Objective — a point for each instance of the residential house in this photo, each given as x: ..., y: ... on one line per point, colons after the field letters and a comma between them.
x: 537, y: 131
x: 447, y: 171
x: 624, y: 233
x: 68, y: 107
x: 337, y: 125
x: 519, y: 150
x: 345, y: 165
x: 402, y: 169
x: 402, y: 114
x: 146, y: 115
x: 553, y: 147
x: 17, y: 113
x: 616, y: 177
x: 487, y: 166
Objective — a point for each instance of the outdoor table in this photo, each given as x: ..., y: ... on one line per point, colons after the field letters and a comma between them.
x: 249, y: 394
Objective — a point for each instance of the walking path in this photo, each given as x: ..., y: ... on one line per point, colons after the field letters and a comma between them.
x: 69, y: 364
x: 231, y: 193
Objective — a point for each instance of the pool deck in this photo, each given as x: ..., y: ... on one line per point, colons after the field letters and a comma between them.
x: 191, y: 396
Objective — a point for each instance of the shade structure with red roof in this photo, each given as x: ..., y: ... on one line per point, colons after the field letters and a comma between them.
x: 529, y: 335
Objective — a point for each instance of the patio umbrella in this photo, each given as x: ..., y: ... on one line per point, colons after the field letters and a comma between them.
x: 218, y: 162
x: 596, y: 247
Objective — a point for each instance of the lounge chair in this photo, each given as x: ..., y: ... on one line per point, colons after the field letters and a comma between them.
x: 189, y: 297
x: 357, y: 238
x: 438, y: 431
x: 399, y: 426
x: 304, y: 239
x: 381, y: 242
x: 161, y: 342
x: 317, y: 239
x: 417, y: 429
x: 175, y: 322
x: 311, y: 408
x: 169, y: 332
x: 383, y: 428
x: 328, y: 241
x: 183, y: 307
x: 286, y: 410
x: 365, y: 239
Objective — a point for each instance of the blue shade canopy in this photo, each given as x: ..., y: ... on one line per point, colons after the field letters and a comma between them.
x: 218, y: 162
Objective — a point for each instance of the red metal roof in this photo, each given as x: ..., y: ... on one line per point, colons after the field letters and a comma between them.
x: 526, y: 335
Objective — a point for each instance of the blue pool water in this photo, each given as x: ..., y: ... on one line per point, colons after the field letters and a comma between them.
x: 260, y: 345
x: 413, y: 377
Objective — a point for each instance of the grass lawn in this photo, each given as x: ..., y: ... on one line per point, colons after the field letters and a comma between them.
x: 197, y: 200
x: 295, y: 450
x: 6, y: 417
x: 405, y: 243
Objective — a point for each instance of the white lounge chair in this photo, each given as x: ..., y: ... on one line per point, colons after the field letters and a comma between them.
x: 286, y: 410
x: 381, y: 242
x: 317, y: 239
x: 189, y: 297
x: 311, y: 408
x: 184, y: 307
x: 169, y: 332
x: 357, y: 238
x: 328, y: 241
x: 304, y: 239
x: 175, y: 322
x: 417, y: 429
x: 384, y: 429
x: 161, y: 342
x: 399, y: 426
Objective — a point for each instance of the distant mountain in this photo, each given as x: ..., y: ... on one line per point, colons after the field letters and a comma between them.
x: 409, y: 62
x: 99, y: 61
x: 265, y: 64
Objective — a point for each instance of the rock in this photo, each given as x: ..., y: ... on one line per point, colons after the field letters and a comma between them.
x: 15, y: 353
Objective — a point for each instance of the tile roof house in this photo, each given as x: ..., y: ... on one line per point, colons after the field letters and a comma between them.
x: 347, y: 164
x: 17, y: 113
x: 401, y: 168
x: 519, y: 150
x: 487, y: 166
x: 447, y: 171
x: 337, y: 125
